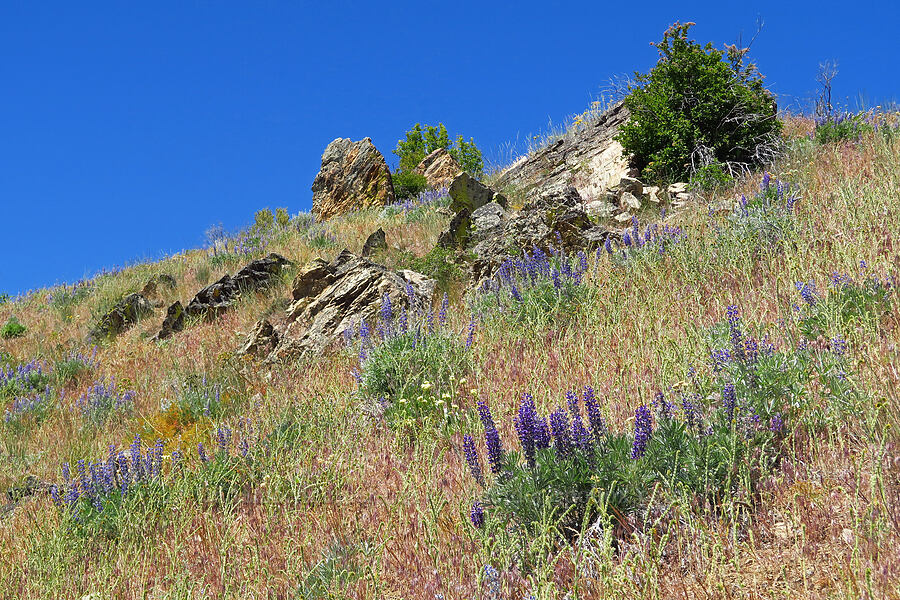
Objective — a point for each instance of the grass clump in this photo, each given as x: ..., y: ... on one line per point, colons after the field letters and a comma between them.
x: 73, y: 366
x: 12, y: 329
x: 841, y: 127
x: 849, y: 303
x: 765, y: 222
x: 103, y: 400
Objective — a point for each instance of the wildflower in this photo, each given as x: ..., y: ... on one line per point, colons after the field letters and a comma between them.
x: 472, y: 459
x: 471, y: 336
x: 559, y: 425
x: 643, y: 429
x: 580, y: 435
x: 663, y: 408
x: 525, y: 425
x: 839, y: 346
x: 491, y: 438
x: 776, y: 423
x: 598, y: 427
x: 807, y: 292
x: 729, y: 401
x: 426, y: 385
x: 442, y: 315
x: 201, y: 452
x: 476, y: 515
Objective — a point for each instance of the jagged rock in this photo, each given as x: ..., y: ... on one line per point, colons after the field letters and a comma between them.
x: 348, y: 290
x: 600, y: 209
x: 128, y: 311
x: 458, y: 232
x: 590, y: 159
x: 376, y: 241
x: 624, y: 218
x: 468, y: 192
x: 651, y: 193
x: 629, y: 201
x: 630, y: 185
x: 677, y: 188
x: 487, y: 221
x: 439, y: 168
x: 217, y: 297
x: 261, y: 341
x: 555, y: 219
x: 354, y: 175
x: 173, y: 323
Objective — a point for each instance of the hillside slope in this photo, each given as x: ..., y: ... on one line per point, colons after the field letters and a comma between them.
x: 296, y: 480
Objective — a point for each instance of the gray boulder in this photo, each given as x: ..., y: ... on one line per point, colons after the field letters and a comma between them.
x: 458, y: 232
x: 487, y: 222
x: 376, y: 241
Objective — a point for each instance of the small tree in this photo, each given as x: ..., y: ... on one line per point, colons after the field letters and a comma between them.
x: 695, y: 108
x: 421, y: 141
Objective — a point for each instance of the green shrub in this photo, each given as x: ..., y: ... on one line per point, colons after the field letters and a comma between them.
x: 282, y: 218
x: 421, y: 141
x: 12, y: 329
x: 439, y: 264
x: 712, y: 177
x: 694, y: 109
x: 73, y: 366
x: 263, y: 220
x: 762, y: 223
x: 408, y: 184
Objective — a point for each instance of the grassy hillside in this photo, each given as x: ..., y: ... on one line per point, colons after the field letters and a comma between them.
x: 300, y: 492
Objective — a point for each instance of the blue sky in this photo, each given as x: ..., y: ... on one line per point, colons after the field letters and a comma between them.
x: 127, y: 129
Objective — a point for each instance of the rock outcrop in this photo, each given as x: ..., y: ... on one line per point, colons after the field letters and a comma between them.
x: 261, y: 341
x: 376, y: 241
x: 354, y: 175
x: 128, y: 311
x: 173, y: 323
x: 588, y: 159
x: 217, y: 297
x: 469, y: 193
x: 439, y: 168
x: 330, y: 297
x: 556, y: 219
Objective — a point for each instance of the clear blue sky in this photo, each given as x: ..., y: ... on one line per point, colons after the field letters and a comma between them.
x: 128, y: 129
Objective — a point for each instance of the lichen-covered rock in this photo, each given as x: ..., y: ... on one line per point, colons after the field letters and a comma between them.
x: 439, y: 168
x: 173, y: 323
x: 261, y: 341
x: 469, y: 193
x: 332, y: 297
x: 376, y: 241
x: 354, y: 175
x: 555, y: 219
x: 487, y: 222
x: 217, y: 297
x: 457, y: 233
x: 128, y: 311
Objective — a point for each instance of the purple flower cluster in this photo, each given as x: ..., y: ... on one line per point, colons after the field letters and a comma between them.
x: 807, y: 292
x: 22, y: 375
x: 535, y: 268
x: 643, y: 429
x: 23, y: 406
x: 654, y: 239
x: 426, y: 198
x: 491, y: 438
x: 103, y: 398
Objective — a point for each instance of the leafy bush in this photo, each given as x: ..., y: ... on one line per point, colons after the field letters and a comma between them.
x: 848, y: 303
x: 73, y: 366
x: 839, y: 127
x: 421, y: 141
x: 282, y: 218
x: 440, y: 265
x: 694, y: 109
x: 535, y: 290
x: 712, y: 176
x: 408, y: 184
x: 412, y: 369
x: 12, y: 329
x: 21, y: 380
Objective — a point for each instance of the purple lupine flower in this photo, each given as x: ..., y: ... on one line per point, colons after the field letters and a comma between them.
x: 607, y: 244
x: 556, y: 281
x: 244, y: 447
x: 403, y: 321
x: 442, y: 314
x: 201, y: 452
x: 626, y: 239
x: 525, y: 423
x: 387, y: 314
x: 471, y: 455
x: 643, y: 429
x: 807, y: 292
x: 776, y: 423
x: 476, y: 515
x: 598, y: 426
x: 720, y: 359
x: 54, y: 495
x: 692, y: 412
x: 65, y: 472
x: 223, y: 439
x: 663, y: 407
x: 729, y: 401
x: 514, y: 292
x: 839, y: 346
x: 559, y: 425
x: 471, y: 335
x: 541, y: 434
x: 580, y: 435
x: 734, y: 328
x: 491, y: 438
